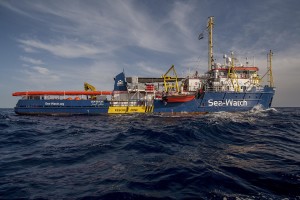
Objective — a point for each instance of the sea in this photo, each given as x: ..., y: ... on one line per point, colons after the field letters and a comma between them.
x: 247, y: 155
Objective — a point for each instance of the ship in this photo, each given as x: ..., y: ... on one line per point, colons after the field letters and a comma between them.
x: 229, y: 87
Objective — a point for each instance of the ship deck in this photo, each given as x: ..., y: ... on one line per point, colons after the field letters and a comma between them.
x: 149, y: 80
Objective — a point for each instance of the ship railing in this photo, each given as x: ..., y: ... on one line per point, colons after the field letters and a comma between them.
x: 131, y: 103
x: 227, y: 89
x: 259, y: 88
x: 215, y: 89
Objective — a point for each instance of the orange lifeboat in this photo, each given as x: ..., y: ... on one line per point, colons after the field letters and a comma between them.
x: 178, y: 98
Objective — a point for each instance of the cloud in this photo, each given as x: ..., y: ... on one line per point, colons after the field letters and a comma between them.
x: 147, y: 68
x: 108, y: 25
x: 28, y: 49
x: 65, y: 49
x: 179, y: 15
x: 31, y: 60
x: 15, y: 8
x: 38, y: 78
x: 41, y: 70
x: 99, y: 31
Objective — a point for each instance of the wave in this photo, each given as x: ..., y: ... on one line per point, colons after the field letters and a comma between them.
x: 245, y: 155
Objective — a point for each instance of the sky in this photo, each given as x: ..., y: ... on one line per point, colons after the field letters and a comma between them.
x: 60, y: 44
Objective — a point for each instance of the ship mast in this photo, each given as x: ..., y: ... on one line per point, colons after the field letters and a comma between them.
x: 270, y: 73
x: 210, y: 25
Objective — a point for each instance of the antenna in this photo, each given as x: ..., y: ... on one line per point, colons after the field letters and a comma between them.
x: 270, y: 73
x: 210, y: 25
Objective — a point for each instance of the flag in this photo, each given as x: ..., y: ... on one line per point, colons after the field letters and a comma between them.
x: 201, y: 36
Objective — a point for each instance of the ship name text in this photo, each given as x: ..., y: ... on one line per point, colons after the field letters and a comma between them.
x: 54, y: 104
x: 227, y: 102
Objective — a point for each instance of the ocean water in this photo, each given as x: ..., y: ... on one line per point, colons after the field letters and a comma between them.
x: 250, y: 155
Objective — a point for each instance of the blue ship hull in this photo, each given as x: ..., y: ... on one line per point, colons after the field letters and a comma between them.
x: 61, y: 107
x: 219, y: 101
x: 207, y: 102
